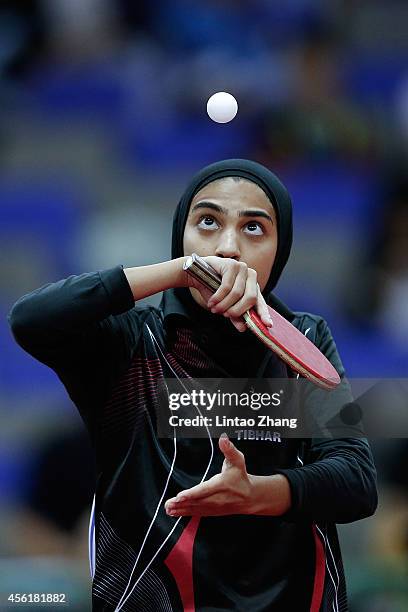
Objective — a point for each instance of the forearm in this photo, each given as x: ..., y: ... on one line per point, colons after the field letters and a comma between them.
x: 340, y: 487
x: 148, y: 280
x: 270, y: 495
x: 71, y: 304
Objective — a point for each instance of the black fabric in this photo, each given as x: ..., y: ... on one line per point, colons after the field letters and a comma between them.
x: 109, y: 364
x: 239, y: 354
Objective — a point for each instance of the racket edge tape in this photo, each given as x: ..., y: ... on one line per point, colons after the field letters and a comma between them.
x: 197, y: 267
x: 325, y: 383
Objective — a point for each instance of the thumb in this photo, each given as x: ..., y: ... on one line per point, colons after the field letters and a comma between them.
x: 230, y: 451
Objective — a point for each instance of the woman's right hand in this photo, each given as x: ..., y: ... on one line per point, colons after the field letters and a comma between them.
x: 239, y: 291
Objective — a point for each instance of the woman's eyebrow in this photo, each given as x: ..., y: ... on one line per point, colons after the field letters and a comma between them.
x: 205, y: 204
x: 224, y: 211
x: 255, y: 213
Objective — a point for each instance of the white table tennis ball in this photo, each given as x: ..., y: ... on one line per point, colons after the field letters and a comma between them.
x: 222, y: 107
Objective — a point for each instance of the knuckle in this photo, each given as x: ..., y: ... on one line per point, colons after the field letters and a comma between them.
x: 232, y: 313
x: 229, y: 492
x: 235, y: 309
x: 241, y: 458
x: 235, y: 313
x: 227, y: 287
x: 227, y: 284
x: 251, y: 299
x: 235, y: 293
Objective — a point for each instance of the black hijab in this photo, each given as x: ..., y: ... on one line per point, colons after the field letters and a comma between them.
x: 269, y: 183
x: 280, y: 199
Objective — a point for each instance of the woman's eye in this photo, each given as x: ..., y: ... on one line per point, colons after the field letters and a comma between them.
x: 253, y: 225
x: 207, y: 222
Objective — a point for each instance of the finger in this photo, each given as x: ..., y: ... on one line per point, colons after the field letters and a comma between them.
x: 209, y: 487
x: 234, y: 456
x: 213, y: 499
x: 201, y: 512
x: 229, y: 272
x: 262, y: 310
x: 236, y: 292
x: 204, y: 291
x: 249, y: 297
x: 194, y: 283
x: 196, y: 511
x: 211, y: 504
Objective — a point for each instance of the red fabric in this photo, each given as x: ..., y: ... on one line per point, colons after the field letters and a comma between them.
x: 320, y: 572
x: 180, y: 563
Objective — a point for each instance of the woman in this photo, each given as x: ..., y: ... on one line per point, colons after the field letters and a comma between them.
x: 181, y: 525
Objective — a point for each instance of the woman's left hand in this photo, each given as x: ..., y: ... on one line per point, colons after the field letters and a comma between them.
x: 230, y: 492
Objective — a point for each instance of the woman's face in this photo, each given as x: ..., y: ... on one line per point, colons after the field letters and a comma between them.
x: 233, y: 218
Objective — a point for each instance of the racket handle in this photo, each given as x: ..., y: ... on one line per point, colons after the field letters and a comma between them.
x: 202, y: 271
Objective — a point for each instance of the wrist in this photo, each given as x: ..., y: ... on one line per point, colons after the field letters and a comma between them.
x: 181, y: 276
x: 270, y: 495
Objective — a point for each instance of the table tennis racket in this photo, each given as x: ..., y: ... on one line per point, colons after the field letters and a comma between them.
x: 283, y: 338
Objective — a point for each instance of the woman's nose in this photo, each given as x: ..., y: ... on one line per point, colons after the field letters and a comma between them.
x: 228, y: 246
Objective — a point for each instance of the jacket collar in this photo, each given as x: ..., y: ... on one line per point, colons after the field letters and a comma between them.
x: 171, y: 306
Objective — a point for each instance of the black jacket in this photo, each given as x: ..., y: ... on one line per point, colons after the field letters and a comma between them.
x: 110, y: 353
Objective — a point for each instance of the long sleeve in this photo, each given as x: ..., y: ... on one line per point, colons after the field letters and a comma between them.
x: 80, y: 327
x: 337, y: 483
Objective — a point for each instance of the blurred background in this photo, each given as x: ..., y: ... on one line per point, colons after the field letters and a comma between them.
x: 102, y: 122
